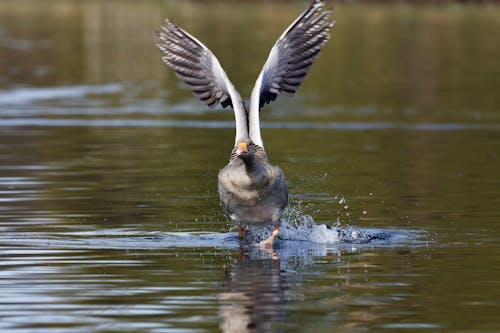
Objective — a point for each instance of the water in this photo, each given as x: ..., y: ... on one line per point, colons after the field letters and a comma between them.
x: 109, y: 214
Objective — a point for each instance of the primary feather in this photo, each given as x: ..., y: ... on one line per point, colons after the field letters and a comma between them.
x: 293, y: 54
x: 195, y: 64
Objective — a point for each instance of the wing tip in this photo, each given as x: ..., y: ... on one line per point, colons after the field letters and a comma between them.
x: 315, y: 17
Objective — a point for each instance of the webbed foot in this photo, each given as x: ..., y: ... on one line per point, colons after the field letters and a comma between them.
x: 268, y: 243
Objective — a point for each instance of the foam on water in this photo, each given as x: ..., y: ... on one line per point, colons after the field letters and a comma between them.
x: 297, y: 227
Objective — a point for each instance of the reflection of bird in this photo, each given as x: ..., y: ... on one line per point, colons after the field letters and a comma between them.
x: 251, y: 190
x: 252, y: 296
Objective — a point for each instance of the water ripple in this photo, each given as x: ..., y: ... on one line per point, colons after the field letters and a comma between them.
x: 350, y: 126
x: 21, y: 96
x: 298, y: 237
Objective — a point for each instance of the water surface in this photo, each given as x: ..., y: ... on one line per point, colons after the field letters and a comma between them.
x: 109, y: 214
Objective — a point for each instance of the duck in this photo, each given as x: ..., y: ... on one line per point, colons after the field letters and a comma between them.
x: 252, y: 191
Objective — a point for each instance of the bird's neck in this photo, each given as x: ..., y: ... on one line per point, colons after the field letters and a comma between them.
x: 256, y: 171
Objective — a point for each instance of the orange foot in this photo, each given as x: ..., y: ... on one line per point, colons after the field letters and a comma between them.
x: 268, y: 243
x: 241, y: 232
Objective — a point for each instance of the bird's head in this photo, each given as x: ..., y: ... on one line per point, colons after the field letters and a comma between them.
x: 244, y: 150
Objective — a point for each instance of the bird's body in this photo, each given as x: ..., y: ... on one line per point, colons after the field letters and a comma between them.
x: 251, y: 190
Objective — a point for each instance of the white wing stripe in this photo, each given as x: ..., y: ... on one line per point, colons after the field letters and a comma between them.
x: 196, y: 65
x: 290, y: 60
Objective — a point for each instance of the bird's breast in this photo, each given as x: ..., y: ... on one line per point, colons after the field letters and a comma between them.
x: 244, y: 178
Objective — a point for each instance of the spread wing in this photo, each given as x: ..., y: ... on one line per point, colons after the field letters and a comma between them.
x: 292, y: 55
x: 196, y: 65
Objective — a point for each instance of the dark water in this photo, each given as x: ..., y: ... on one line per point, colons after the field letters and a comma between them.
x: 109, y: 215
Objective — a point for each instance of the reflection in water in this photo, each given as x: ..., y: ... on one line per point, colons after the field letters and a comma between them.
x: 250, y: 290
x: 253, y: 295
x: 259, y: 285
x: 253, y: 292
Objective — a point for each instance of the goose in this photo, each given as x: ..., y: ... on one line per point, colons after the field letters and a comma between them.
x: 251, y: 190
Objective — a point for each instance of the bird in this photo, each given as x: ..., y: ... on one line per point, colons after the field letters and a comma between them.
x: 251, y: 190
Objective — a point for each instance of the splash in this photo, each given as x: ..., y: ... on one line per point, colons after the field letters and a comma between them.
x: 297, y: 226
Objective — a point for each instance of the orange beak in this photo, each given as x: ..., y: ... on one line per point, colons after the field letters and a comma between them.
x: 242, y: 148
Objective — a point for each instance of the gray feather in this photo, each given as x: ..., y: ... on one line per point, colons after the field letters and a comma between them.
x: 194, y: 64
x: 295, y: 51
